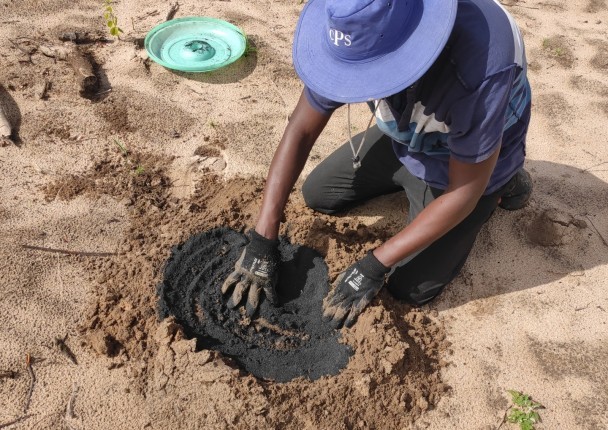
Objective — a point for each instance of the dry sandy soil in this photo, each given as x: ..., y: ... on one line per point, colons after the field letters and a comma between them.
x: 528, y: 313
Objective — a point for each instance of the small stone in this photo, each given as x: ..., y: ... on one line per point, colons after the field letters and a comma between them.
x: 103, y: 343
x: 422, y: 403
x: 363, y: 385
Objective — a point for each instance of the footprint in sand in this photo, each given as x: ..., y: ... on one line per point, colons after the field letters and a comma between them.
x: 185, y: 177
x: 553, y: 228
x: 209, y: 158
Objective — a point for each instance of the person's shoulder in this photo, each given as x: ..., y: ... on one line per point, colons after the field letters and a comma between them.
x: 321, y: 104
x: 485, y: 41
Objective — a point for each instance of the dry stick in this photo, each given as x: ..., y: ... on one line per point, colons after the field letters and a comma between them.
x: 504, y: 418
x: 28, y: 399
x: 147, y: 14
x: 518, y: 5
x: 65, y: 251
x: 79, y: 37
x: 595, y: 165
x: 65, y: 349
x: 9, y: 374
x: 43, y: 94
x: 25, y: 51
x: 15, y: 421
x: 172, y: 11
x: 89, y: 84
x: 69, y: 409
x: 526, y: 7
x: 582, y: 307
x: 597, y: 231
x: 287, y: 116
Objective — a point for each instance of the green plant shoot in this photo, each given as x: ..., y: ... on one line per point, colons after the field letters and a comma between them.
x: 111, y: 18
x: 524, y: 412
x: 249, y: 48
x: 139, y: 169
x: 122, y: 148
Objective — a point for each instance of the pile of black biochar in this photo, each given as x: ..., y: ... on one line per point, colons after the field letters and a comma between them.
x: 278, y: 343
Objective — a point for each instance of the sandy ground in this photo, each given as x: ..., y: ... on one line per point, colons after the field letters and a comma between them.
x: 529, y: 311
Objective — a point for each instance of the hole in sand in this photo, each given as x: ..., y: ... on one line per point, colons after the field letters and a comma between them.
x: 280, y: 343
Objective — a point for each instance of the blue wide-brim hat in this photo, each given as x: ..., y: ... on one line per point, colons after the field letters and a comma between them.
x: 360, y: 50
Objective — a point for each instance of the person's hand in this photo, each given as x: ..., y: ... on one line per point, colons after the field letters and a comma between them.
x: 355, y: 288
x: 255, y: 270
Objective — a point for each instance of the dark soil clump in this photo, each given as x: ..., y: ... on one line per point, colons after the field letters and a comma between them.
x: 280, y: 343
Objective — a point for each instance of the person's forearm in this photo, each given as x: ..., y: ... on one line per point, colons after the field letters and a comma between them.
x: 286, y: 166
x: 467, y: 183
x: 439, y: 217
x: 305, y: 126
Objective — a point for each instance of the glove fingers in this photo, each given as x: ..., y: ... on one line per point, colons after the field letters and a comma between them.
x: 333, y: 298
x: 270, y: 293
x: 232, y: 279
x: 253, y: 300
x: 330, y: 305
x: 328, y: 312
x: 356, y: 310
x: 238, y: 293
x: 339, y: 316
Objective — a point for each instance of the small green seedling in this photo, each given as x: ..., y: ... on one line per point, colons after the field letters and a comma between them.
x: 111, y: 18
x: 139, y: 169
x: 249, y: 48
x: 524, y: 411
x: 122, y: 148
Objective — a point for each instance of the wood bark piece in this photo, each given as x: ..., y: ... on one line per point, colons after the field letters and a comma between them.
x: 80, y: 37
x: 172, y: 11
x: 82, y: 65
x: 58, y: 52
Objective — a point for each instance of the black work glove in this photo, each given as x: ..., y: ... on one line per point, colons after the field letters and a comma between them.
x: 355, y: 288
x: 255, y: 270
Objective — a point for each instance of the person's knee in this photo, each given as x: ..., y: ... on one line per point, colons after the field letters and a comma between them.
x: 414, y: 291
x: 317, y: 199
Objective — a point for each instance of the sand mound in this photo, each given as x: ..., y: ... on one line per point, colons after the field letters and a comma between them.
x: 396, y: 350
x: 279, y: 343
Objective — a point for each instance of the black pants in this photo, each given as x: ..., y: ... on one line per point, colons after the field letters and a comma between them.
x: 334, y: 186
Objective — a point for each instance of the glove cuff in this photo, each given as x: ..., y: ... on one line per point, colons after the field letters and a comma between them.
x: 372, y: 268
x: 262, y: 244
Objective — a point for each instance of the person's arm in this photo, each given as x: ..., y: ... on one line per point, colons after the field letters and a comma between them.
x: 359, y: 283
x: 304, y: 127
x: 257, y: 268
x: 467, y: 182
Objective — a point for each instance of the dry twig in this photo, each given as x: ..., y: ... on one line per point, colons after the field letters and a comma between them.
x: 597, y: 231
x: 15, y: 421
x: 43, y: 92
x: 147, y: 14
x: 8, y: 374
x: 27, y: 52
x: 595, y: 165
x: 69, y: 409
x: 582, y: 307
x: 65, y: 349
x: 30, y: 370
x: 172, y: 11
x: 82, y: 38
x: 65, y: 251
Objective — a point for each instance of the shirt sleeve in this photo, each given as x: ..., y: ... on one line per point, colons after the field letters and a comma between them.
x: 478, y: 119
x: 320, y: 103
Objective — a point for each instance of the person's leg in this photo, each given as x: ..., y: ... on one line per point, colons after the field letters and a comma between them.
x: 517, y: 192
x: 421, y: 277
x: 334, y: 185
